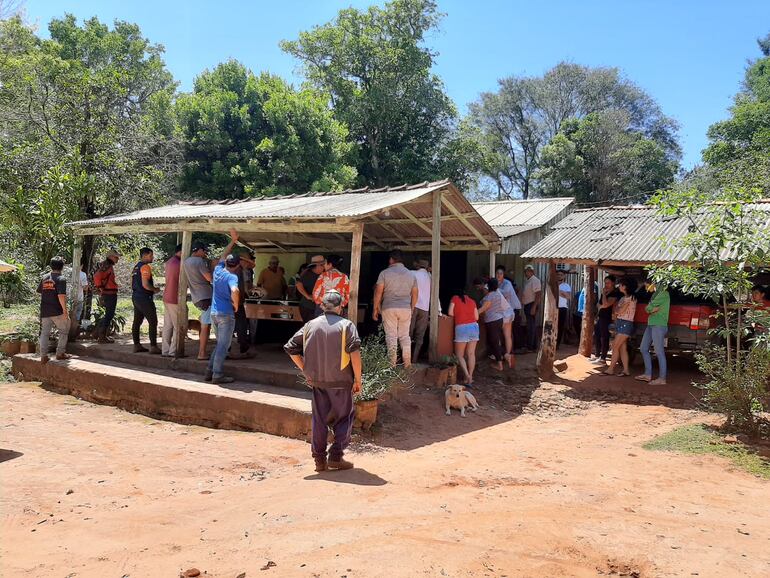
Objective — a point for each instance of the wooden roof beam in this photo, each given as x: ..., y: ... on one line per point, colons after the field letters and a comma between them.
x: 464, y: 221
x: 390, y: 229
x: 419, y: 223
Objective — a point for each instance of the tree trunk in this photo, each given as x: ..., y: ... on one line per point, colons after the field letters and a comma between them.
x: 589, y: 312
x: 547, y: 354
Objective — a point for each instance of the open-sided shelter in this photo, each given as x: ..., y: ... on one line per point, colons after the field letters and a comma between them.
x: 632, y: 236
x: 430, y: 217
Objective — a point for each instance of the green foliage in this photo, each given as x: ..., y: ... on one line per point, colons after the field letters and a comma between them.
x: 247, y: 134
x: 85, y: 122
x: 377, y: 71
x: 15, y: 286
x: 527, y: 114
x: 742, y: 142
x: 599, y: 158
x: 118, y: 321
x: 378, y: 375
x: 728, y: 240
x: 698, y: 439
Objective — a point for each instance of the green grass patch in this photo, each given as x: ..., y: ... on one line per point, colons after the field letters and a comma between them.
x: 698, y: 439
x: 13, y: 317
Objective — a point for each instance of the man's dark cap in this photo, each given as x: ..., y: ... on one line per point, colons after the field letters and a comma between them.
x: 233, y: 260
x: 198, y: 245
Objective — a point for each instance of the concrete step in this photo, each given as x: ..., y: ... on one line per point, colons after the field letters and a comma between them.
x: 174, y: 395
x: 269, y: 367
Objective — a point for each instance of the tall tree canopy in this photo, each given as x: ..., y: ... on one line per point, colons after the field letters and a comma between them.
x: 374, y: 65
x: 527, y: 113
x: 246, y: 134
x: 741, y: 144
x: 84, y: 128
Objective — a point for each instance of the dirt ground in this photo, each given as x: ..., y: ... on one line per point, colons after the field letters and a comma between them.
x: 540, y: 482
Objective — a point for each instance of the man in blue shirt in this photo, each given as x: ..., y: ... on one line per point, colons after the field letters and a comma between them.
x: 224, y: 303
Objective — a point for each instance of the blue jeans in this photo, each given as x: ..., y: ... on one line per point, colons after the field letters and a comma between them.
x: 223, y: 326
x: 655, y: 334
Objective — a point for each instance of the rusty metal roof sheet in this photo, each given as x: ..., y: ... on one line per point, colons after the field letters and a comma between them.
x: 617, y: 234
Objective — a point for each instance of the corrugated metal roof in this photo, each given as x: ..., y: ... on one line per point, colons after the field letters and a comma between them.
x: 616, y: 234
x: 393, y: 216
x: 510, y: 218
x: 308, y: 206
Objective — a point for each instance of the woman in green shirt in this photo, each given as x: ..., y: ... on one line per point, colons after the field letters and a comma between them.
x: 655, y: 334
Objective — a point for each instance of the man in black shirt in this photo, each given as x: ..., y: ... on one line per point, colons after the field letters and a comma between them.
x: 305, y: 285
x: 607, y: 300
x: 53, y: 310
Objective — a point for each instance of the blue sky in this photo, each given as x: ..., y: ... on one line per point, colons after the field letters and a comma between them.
x: 688, y: 54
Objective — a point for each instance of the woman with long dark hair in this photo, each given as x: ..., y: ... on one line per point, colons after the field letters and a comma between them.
x: 494, y: 307
x: 625, y: 310
x: 462, y: 308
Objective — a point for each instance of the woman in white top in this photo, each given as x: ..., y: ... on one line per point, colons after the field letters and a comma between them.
x: 624, y: 313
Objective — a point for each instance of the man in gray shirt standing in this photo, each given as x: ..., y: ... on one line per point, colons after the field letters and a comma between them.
x: 198, y: 269
x: 395, y: 296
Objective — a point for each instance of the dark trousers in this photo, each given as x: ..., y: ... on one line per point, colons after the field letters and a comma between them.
x: 417, y: 330
x: 144, y: 308
x: 562, y: 324
x: 496, y: 339
x: 110, y: 303
x: 531, y: 324
x: 602, y: 336
x: 242, y: 329
x: 332, y: 408
x: 307, y: 314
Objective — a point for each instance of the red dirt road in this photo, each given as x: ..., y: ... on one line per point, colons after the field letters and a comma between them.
x: 99, y: 492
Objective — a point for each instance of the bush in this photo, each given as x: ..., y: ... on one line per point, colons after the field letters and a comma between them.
x: 739, y: 389
x: 377, y: 375
x: 15, y: 286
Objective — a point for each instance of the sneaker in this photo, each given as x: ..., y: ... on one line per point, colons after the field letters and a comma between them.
x: 599, y: 361
x: 207, y: 376
x: 155, y: 350
x: 658, y: 381
x: 646, y: 378
x: 63, y: 356
x: 222, y: 379
x: 339, y: 464
x: 139, y: 349
x: 320, y: 464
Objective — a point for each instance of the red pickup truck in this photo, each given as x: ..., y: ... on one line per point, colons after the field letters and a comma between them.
x: 689, y: 321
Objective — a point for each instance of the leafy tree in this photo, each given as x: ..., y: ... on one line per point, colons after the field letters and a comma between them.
x: 377, y: 72
x: 87, y: 109
x: 247, y: 134
x: 526, y: 113
x: 743, y: 140
x: 727, y: 242
x: 600, y: 159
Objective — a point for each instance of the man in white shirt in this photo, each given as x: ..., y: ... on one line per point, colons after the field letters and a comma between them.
x: 421, y: 313
x: 565, y: 294
x: 78, y: 299
x: 530, y: 298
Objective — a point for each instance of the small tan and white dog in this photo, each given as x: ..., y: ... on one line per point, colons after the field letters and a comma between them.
x: 456, y: 396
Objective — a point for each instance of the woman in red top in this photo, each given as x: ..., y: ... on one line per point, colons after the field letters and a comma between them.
x: 466, y: 317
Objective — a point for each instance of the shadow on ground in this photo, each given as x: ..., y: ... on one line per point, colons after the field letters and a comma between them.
x: 416, y: 417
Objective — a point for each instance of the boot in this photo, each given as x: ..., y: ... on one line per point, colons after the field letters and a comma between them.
x: 155, y: 350
x: 339, y: 464
x: 138, y: 348
x: 320, y: 464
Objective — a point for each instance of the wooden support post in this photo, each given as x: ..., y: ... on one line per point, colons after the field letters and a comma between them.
x: 355, y: 271
x: 182, y: 296
x: 492, y: 261
x: 589, y: 313
x: 76, y: 289
x: 435, y: 304
x: 547, y: 354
